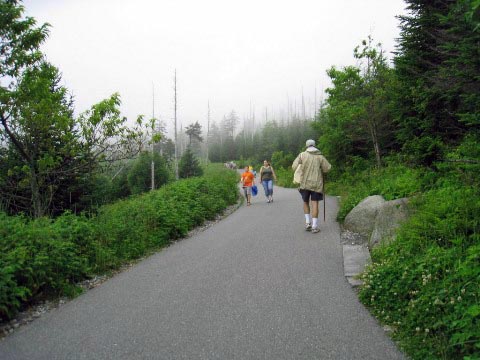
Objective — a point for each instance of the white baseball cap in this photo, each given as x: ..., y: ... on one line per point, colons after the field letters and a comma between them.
x: 310, y: 142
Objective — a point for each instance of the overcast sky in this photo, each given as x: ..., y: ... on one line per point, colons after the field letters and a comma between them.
x: 236, y: 55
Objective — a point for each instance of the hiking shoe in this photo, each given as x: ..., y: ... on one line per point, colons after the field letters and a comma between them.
x: 308, y: 227
x: 315, y: 230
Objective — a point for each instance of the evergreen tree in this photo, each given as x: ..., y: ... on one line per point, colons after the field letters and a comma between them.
x: 139, y: 176
x: 189, y: 165
x: 194, y: 132
x: 438, y: 84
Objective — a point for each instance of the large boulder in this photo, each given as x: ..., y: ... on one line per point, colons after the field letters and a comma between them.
x: 390, y: 216
x: 361, y: 219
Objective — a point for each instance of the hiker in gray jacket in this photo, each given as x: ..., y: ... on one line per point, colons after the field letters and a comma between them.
x: 314, y: 165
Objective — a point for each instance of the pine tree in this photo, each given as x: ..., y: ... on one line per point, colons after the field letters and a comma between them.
x: 438, y: 75
x: 189, y: 165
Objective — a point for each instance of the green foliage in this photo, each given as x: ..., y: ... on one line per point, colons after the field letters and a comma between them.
x: 438, y: 99
x: 40, y: 257
x: 392, y: 182
x: 21, y: 40
x: 282, y: 164
x: 463, y: 162
x: 189, y: 165
x: 49, y: 154
x: 41, y: 141
x: 282, y: 160
x: 130, y: 228
x: 140, y: 174
x: 285, y: 177
x: 104, y: 190
x: 43, y: 257
x: 356, y: 120
x: 425, y: 284
x: 194, y: 132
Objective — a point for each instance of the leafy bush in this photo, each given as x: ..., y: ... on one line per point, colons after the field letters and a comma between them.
x: 44, y: 256
x: 285, y: 177
x: 40, y: 257
x: 133, y: 227
x: 281, y: 160
x: 241, y: 163
x: 392, y: 182
x: 140, y: 175
x: 426, y: 283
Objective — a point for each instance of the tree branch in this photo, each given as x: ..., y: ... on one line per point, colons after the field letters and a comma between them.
x: 14, y: 139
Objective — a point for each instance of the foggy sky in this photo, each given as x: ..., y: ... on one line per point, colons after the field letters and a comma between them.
x: 237, y: 55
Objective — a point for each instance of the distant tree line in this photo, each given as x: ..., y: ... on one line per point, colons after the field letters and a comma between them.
x: 423, y: 106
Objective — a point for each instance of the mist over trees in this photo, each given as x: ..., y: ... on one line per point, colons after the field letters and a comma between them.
x: 422, y: 106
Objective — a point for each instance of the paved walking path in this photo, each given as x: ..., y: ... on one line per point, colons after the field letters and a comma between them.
x: 253, y: 286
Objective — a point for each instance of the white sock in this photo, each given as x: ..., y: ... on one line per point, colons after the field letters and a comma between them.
x: 315, y: 222
x: 307, y: 218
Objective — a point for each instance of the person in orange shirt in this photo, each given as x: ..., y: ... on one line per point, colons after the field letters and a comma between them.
x: 247, y: 180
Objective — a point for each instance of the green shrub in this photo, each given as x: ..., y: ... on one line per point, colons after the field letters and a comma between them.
x: 426, y: 283
x: 285, y: 177
x: 131, y: 228
x: 392, y: 182
x: 40, y: 257
x: 140, y: 174
x: 48, y: 257
x: 281, y: 160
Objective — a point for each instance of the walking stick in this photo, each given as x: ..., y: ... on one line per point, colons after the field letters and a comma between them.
x: 324, y: 197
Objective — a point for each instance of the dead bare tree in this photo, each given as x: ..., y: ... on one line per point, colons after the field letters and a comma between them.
x: 175, y: 124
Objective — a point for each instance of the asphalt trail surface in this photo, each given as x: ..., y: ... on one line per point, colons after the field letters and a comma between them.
x: 253, y: 286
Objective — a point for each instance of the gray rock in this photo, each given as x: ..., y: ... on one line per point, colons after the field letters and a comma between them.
x: 361, y: 219
x: 390, y: 216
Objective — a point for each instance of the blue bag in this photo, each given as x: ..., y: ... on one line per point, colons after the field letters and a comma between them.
x: 254, y: 190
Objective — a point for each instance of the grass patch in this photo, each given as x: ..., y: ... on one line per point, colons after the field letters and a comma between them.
x: 392, y: 182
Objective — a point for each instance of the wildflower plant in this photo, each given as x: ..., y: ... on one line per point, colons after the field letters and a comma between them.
x: 426, y: 283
